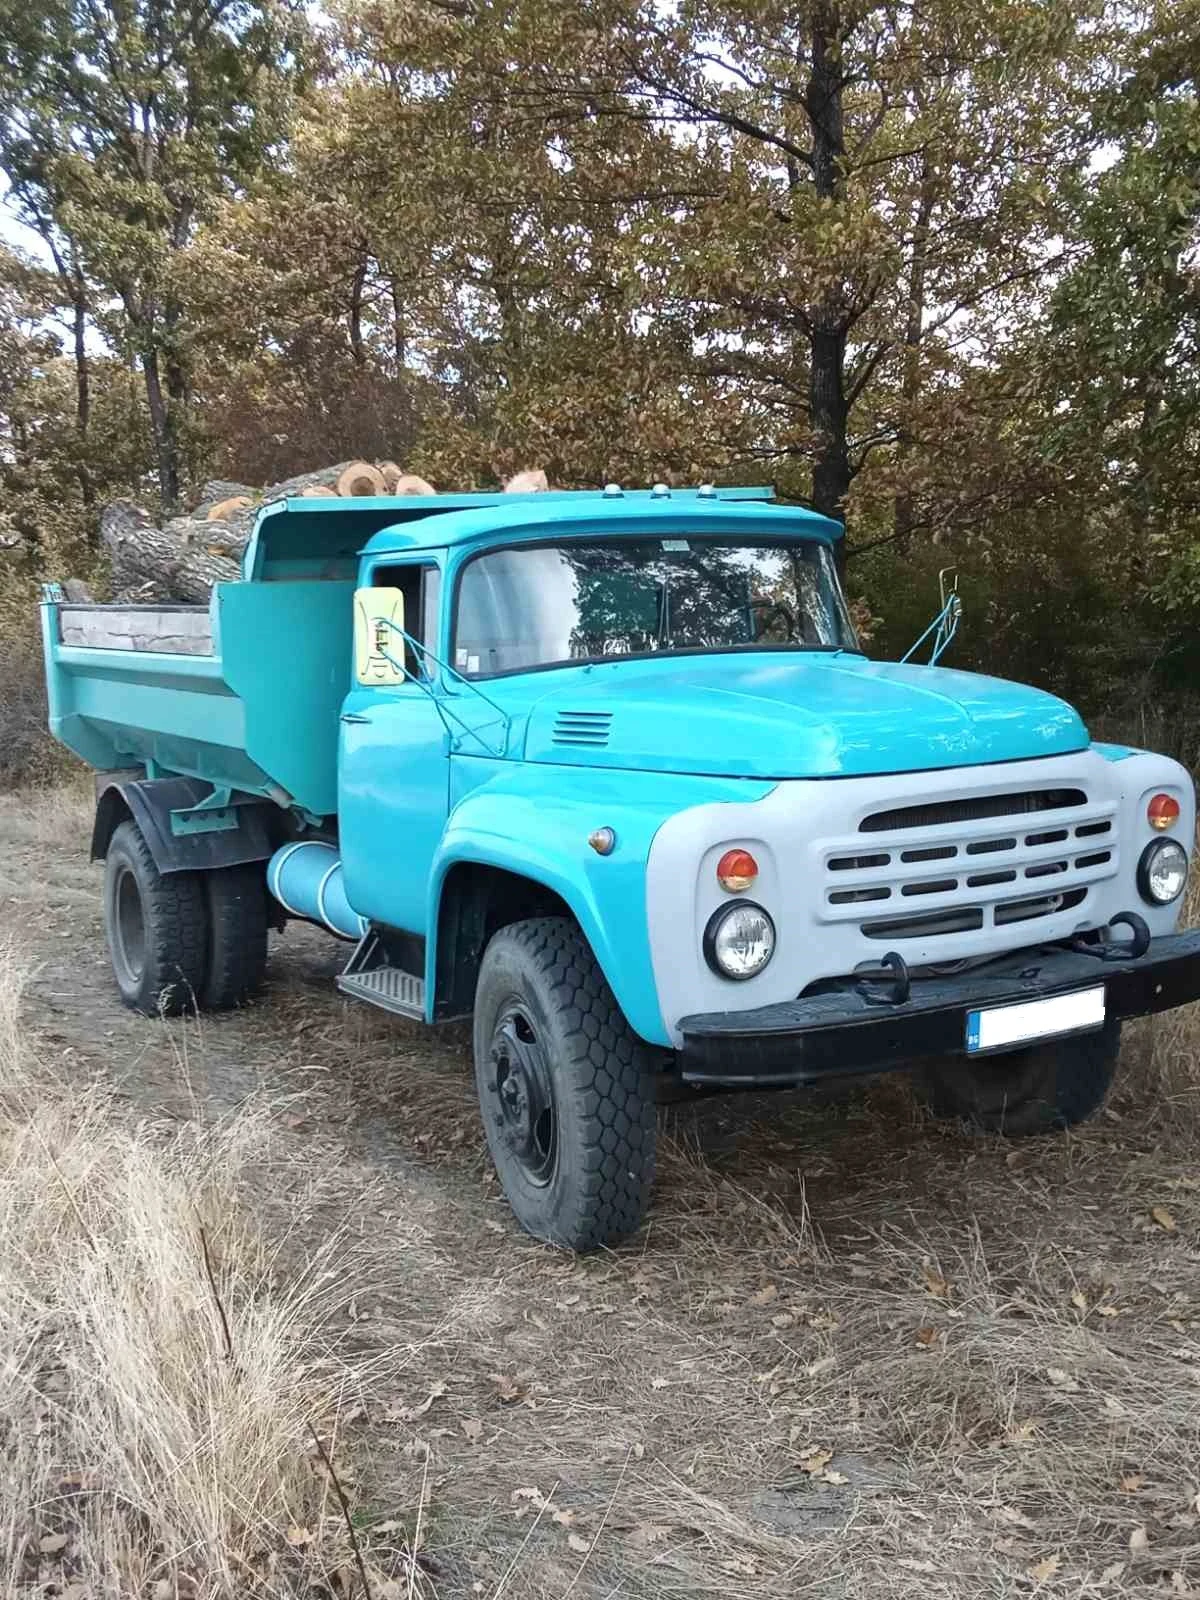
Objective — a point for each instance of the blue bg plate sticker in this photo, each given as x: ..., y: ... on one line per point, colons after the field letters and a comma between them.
x: 997, y: 1026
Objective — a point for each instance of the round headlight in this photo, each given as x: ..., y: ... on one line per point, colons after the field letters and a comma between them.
x: 739, y: 940
x: 1162, y: 872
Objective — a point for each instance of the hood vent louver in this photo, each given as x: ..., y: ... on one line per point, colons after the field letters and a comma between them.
x: 589, y: 729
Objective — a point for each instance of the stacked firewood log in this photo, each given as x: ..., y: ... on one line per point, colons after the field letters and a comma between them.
x: 180, y: 559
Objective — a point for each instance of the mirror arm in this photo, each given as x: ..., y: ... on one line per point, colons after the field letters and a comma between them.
x: 443, y: 710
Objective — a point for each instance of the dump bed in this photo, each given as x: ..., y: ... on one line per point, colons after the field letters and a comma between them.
x: 244, y: 692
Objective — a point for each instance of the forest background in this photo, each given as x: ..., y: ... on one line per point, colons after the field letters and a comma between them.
x: 932, y: 267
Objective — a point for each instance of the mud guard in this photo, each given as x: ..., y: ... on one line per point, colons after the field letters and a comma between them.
x: 150, y: 802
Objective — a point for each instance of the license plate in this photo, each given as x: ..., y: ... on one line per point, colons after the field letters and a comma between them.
x: 997, y: 1026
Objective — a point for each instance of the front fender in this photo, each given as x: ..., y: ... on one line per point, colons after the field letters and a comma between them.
x: 535, y: 821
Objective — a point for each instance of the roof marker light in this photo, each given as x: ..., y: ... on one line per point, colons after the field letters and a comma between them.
x: 707, y: 491
x: 660, y: 491
x: 613, y: 491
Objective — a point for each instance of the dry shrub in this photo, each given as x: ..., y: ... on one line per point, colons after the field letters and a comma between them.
x: 161, y: 1376
x: 28, y: 755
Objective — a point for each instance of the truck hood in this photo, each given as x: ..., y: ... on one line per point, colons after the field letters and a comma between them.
x: 774, y: 715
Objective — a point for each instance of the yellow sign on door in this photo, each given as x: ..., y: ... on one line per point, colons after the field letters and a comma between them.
x: 378, y: 636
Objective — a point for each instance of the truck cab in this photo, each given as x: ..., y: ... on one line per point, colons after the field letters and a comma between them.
x: 610, y: 774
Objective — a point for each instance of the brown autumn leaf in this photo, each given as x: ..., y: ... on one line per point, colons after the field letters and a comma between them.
x: 1043, y: 1571
x: 1164, y: 1218
x: 509, y: 1389
x: 816, y: 1463
x: 927, y: 1336
x: 764, y: 1296
x: 1131, y: 1483
x: 935, y: 1283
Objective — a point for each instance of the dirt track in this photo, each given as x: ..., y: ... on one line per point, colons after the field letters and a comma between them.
x: 852, y: 1353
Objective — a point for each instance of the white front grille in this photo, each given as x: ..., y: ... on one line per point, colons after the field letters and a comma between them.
x: 951, y: 867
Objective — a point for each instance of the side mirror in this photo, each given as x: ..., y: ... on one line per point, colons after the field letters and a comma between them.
x: 945, y: 625
x: 379, y: 636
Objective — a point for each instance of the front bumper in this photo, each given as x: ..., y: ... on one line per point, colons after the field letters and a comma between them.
x: 854, y: 1030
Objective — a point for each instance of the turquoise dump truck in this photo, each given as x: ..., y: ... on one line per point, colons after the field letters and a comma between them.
x: 609, y: 774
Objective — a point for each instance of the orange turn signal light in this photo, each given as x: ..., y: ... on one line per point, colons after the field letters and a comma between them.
x: 736, y: 871
x: 1163, y: 812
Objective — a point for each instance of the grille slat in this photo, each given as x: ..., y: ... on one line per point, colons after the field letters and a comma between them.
x: 996, y: 863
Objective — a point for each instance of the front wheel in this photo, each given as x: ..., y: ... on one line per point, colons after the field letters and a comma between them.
x: 1036, y: 1090
x: 565, y: 1086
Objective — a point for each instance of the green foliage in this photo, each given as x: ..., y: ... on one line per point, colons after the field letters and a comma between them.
x: 933, y: 268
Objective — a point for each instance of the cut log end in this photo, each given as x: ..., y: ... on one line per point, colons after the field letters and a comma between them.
x: 360, y: 478
x: 533, y: 481
x: 226, y: 508
x: 410, y: 483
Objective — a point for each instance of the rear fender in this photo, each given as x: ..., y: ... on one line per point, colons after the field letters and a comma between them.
x: 150, y: 802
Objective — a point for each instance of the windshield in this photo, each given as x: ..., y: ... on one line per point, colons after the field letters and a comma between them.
x: 549, y: 605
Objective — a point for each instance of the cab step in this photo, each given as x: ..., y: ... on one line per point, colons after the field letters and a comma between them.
x: 369, y: 977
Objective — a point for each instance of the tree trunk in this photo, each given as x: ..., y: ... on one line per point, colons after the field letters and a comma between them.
x: 827, y: 406
x: 162, y: 432
x: 914, y: 322
x: 357, y: 348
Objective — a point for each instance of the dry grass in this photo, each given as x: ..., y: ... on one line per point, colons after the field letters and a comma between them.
x: 170, y: 1383
x: 853, y: 1354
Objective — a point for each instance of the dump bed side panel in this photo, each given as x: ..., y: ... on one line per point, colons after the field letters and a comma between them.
x: 286, y: 650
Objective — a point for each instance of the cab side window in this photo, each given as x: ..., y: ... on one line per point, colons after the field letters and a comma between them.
x: 420, y: 585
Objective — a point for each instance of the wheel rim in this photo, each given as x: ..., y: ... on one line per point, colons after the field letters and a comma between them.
x: 129, y: 924
x: 522, y: 1095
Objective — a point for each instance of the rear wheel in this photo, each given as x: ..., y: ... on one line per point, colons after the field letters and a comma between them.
x: 157, y: 927
x: 237, y: 915
x: 1035, y: 1090
x: 565, y: 1086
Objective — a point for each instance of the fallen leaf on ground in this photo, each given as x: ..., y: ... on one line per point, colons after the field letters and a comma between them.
x: 834, y: 1477
x: 1131, y: 1483
x: 1013, y: 1517
x: 1062, y: 1379
x: 298, y: 1537
x: 936, y: 1285
x: 764, y: 1296
x: 508, y: 1390
x: 578, y: 1543
x: 927, y: 1336
x: 816, y: 1463
x: 473, y: 1429
x: 1021, y: 1432
x: 1111, y: 1574
x: 53, y: 1543
x: 1108, y: 1311
x: 816, y: 1368
x: 1139, y: 1541
x: 659, y: 1383
x: 1164, y: 1218
x: 1079, y: 1300
x: 1043, y: 1571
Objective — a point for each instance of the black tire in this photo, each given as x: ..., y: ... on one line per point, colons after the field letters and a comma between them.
x: 237, y: 915
x: 566, y: 1087
x: 1036, y: 1090
x: 157, y: 928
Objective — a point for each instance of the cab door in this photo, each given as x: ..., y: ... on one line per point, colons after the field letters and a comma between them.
x: 394, y: 763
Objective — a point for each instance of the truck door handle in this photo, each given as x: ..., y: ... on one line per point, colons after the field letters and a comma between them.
x: 354, y: 716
